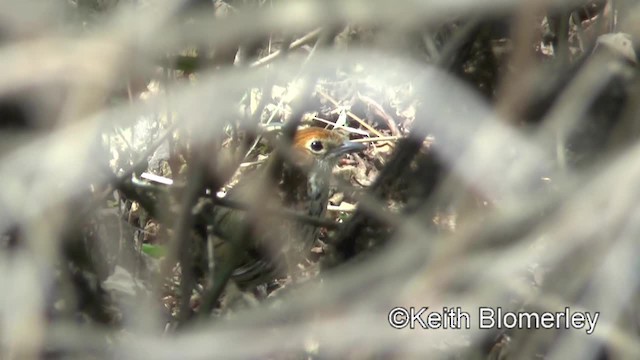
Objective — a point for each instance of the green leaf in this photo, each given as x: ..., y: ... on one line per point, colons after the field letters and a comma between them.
x: 156, y: 251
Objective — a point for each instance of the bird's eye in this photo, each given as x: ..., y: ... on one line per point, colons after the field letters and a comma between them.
x: 316, y: 146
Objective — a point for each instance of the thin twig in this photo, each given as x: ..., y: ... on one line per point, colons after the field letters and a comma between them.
x: 379, y: 110
x: 350, y: 114
x: 279, y: 212
x: 294, y: 45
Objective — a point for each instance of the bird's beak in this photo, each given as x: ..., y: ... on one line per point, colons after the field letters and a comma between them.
x: 348, y: 147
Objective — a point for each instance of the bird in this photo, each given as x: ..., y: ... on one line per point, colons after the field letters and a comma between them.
x: 270, y: 245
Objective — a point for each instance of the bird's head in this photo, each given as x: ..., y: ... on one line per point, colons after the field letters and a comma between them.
x: 322, y: 145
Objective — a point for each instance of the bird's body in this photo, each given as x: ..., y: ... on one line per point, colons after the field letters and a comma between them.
x: 259, y: 245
